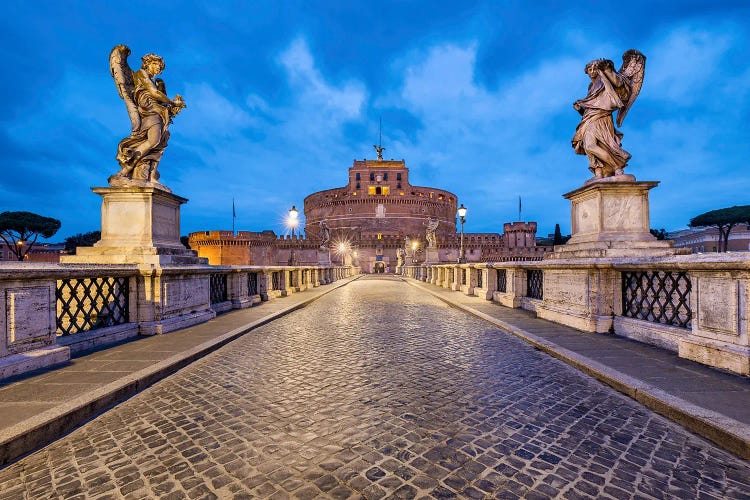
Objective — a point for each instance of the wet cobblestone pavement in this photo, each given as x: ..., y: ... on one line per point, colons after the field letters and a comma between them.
x: 378, y: 390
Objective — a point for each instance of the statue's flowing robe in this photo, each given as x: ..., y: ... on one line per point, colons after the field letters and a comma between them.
x: 153, y: 114
x: 597, y: 123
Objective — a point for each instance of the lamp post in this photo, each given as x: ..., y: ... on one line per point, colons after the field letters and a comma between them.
x: 462, y: 216
x: 414, y: 248
x: 292, y: 221
x: 344, y: 251
x: 19, y: 255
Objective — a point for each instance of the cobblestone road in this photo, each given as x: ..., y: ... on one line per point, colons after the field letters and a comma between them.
x: 378, y: 390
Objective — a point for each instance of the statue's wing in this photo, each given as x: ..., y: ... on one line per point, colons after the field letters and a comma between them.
x: 633, y: 69
x: 123, y: 76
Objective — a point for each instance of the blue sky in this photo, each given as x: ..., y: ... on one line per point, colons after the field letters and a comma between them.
x: 282, y: 96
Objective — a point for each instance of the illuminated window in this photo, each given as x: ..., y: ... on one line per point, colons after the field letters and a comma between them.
x: 370, y: 189
x: 401, y: 193
x: 354, y: 193
x: 386, y: 190
x: 380, y: 236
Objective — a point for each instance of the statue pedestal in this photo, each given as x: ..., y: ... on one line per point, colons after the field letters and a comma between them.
x: 610, y: 218
x: 140, y: 225
x: 432, y: 256
x: 324, y: 257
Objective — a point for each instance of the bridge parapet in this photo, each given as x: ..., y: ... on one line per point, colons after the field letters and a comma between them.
x: 696, y: 305
x: 50, y: 311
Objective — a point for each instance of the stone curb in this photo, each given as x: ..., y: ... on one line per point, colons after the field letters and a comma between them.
x: 728, y: 433
x: 40, y: 430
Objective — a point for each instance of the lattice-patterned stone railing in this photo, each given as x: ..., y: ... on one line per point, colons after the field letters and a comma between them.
x: 50, y: 310
x: 696, y: 305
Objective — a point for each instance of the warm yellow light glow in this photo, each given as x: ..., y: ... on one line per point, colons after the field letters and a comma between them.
x: 414, y: 245
x: 293, y: 219
x: 342, y: 247
x: 462, y: 211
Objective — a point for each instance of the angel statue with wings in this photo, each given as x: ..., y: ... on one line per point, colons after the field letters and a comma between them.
x: 609, y: 91
x: 151, y: 111
x: 325, y: 235
x: 430, y: 232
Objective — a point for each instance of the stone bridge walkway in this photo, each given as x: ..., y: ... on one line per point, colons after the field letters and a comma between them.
x: 376, y: 390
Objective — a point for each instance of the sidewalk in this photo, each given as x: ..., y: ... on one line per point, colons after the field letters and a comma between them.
x: 709, y: 402
x: 41, y: 406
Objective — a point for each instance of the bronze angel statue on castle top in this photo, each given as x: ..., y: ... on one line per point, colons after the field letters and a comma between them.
x: 609, y: 91
x: 150, y: 110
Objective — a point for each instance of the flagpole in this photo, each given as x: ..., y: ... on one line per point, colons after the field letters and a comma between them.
x: 234, y: 216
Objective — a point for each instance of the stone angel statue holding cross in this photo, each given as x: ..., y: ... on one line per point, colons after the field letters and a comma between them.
x: 151, y: 112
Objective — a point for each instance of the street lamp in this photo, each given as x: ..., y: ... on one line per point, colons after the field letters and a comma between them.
x: 414, y: 248
x: 462, y: 215
x: 292, y: 222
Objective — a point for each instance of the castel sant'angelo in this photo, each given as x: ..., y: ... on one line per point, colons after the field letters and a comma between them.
x: 366, y: 222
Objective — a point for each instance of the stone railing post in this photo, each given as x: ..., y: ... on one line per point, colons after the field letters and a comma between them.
x: 315, y: 276
x: 471, y: 280
x: 457, y: 275
x: 489, y: 283
x: 265, y: 285
x: 440, y: 276
x: 170, y: 299
x: 237, y: 290
x: 581, y: 298
x: 515, y: 286
x: 28, y: 322
x: 719, y: 334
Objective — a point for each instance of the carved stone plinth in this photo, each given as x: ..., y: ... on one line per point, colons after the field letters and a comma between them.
x: 140, y: 225
x: 324, y: 257
x: 432, y: 256
x: 610, y: 218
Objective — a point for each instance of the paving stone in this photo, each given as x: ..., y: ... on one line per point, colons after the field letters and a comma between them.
x: 378, y: 390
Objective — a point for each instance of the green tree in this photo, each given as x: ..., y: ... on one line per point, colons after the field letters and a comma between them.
x: 724, y: 219
x: 20, y: 230
x: 81, y: 240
